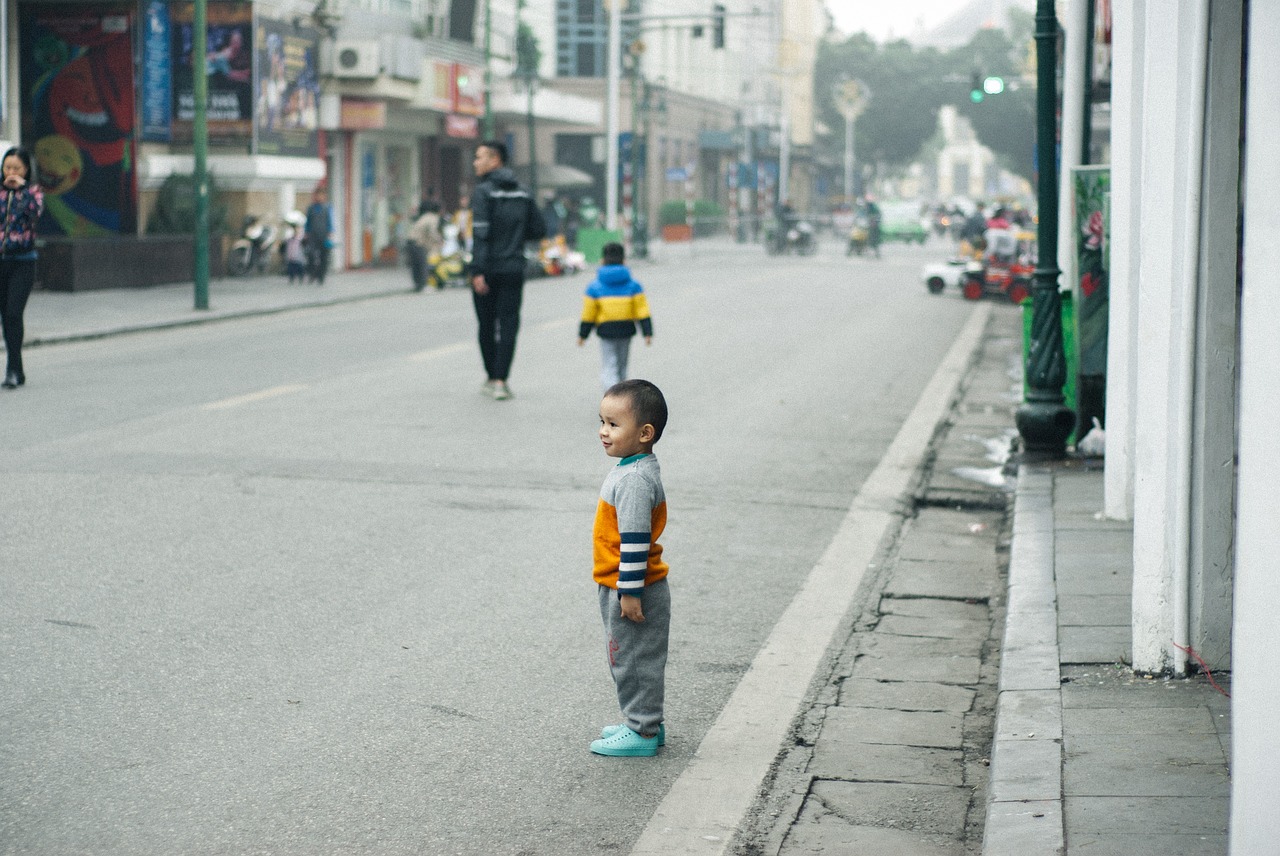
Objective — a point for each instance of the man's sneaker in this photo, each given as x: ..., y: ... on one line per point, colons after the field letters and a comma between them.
x: 625, y: 743
x: 501, y: 392
x: 610, y: 730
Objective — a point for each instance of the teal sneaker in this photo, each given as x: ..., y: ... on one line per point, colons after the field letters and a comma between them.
x: 610, y: 730
x: 625, y: 743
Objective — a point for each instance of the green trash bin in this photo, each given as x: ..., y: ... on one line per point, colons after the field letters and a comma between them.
x: 591, y: 242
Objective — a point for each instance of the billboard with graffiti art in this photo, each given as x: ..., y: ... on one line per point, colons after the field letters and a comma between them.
x: 76, y: 79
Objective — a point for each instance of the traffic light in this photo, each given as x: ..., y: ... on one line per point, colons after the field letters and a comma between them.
x: 993, y: 85
x: 717, y: 25
x: 976, y: 91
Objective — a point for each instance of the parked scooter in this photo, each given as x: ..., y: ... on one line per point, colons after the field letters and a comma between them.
x: 252, y: 250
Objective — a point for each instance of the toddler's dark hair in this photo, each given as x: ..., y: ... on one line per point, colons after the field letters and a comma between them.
x: 613, y: 253
x: 646, y: 402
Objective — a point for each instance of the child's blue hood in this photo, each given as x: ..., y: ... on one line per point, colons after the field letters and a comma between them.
x: 614, y: 275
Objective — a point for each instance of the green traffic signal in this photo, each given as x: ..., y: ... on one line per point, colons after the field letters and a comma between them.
x: 975, y: 88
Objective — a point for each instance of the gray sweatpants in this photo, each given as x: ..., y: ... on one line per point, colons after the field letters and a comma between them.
x: 638, y: 655
x: 613, y: 361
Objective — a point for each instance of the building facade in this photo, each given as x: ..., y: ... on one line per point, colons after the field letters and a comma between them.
x: 1192, y: 399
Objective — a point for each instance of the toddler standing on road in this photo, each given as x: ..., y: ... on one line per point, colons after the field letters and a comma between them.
x: 631, y: 578
x: 613, y: 305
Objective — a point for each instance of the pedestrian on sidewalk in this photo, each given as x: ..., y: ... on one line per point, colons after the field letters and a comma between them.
x: 22, y: 202
x: 613, y: 305
x: 504, y: 217
x: 424, y: 242
x: 319, y: 235
x: 295, y: 254
x: 630, y: 575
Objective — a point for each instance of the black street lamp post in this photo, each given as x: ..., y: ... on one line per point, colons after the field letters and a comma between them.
x: 1043, y: 419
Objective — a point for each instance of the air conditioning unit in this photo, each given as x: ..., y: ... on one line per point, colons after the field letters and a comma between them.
x: 357, y: 59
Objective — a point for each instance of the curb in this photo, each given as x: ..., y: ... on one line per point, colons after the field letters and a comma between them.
x: 212, y: 317
x: 1024, y: 809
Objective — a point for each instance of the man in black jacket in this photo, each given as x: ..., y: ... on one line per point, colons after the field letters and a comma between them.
x: 501, y: 215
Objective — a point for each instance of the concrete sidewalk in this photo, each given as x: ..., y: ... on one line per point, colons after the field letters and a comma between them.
x: 981, y: 702
x: 1089, y: 757
x: 57, y: 316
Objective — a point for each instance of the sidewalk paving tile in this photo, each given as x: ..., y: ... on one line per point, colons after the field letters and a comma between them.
x: 921, y: 667
x: 1034, y: 668
x: 943, y: 628
x: 906, y: 695
x: 925, y: 607
x: 830, y: 838
x: 914, y: 578
x: 1142, y: 721
x: 1133, y: 815
x: 1169, y: 765
x: 1095, y: 644
x: 934, y: 729
x: 1082, y: 610
x: 1027, y: 714
x: 1149, y: 844
x: 919, y: 808
x: 842, y: 756
x: 1024, y: 828
x: 1027, y: 770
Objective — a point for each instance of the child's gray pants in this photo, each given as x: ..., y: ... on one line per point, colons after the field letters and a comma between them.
x: 638, y: 655
x: 613, y: 361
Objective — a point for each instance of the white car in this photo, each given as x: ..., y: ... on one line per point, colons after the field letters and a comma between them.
x: 939, y: 275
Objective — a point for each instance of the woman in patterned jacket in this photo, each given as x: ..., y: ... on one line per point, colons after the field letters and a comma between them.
x: 21, y: 203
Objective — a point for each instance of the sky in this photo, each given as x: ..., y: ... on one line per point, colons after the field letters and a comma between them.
x: 891, y: 18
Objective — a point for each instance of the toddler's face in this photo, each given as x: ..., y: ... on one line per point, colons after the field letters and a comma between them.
x: 620, y: 432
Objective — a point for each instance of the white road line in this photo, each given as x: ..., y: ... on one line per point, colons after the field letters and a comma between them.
x: 423, y: 356
x: 249, y: 398
x: 709, y: 800
x: 431, y: 353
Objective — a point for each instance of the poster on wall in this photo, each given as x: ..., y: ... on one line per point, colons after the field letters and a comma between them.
x: 228, y: 64
x: 1092, y: 192
x: 287, y: 117
x: 76, y: 79
x: 156, y: 85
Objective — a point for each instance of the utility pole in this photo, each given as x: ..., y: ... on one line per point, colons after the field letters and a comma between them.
x: 487, y: 129
x: 613, y: 46
x: 1043, y: 419
x: 200, y: 142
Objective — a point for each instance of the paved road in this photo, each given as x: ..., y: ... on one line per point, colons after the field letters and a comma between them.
x: 291, y: 585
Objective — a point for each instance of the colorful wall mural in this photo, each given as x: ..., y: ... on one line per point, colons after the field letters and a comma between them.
x: 76, y: 78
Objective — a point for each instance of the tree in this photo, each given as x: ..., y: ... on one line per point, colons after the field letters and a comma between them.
x: 910, y: 84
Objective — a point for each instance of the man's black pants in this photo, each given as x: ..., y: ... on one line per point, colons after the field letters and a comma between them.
x: 498, y: 313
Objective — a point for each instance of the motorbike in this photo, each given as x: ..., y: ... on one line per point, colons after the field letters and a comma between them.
x: 863, y: 236
x: 252, y: 250
x: 793, y: 237
x: 859, y: 234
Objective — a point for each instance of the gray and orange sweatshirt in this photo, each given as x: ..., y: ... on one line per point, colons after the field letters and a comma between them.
x: 630, y: 517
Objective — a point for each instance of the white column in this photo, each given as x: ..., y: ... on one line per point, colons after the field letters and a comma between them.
x: 1128, y: 38
x: 1255, y: 823
x: 1075, y: 42
x: 1168, y: 270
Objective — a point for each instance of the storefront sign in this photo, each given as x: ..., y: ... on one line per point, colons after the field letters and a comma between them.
x: 461, y: 127
x: 469, y: 90
x: 77, y: 91
x: 440, y: 86
x: 287, y: 114
x: 359, y: 114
